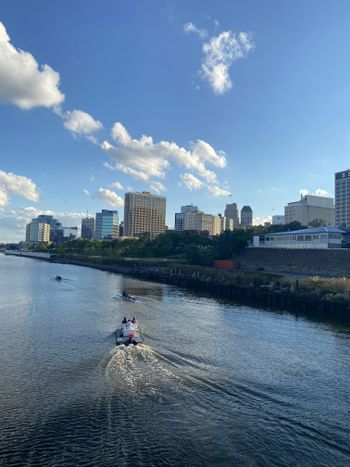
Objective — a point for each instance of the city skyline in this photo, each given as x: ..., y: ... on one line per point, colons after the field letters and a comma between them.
x: 243, y: 121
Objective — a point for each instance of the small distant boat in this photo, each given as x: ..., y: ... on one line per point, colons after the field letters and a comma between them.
x: 129, y: 336
x: 127, y: 297
x: 58, y: 278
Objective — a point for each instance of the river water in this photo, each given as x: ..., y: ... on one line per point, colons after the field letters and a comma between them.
x: 214, y: 384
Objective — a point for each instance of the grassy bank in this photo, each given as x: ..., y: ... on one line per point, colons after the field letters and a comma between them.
x: 313, y: 289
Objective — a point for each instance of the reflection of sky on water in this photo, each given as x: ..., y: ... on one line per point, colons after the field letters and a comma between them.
x: 220, y: 382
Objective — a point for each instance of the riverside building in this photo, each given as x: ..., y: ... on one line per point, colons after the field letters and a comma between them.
x: 310, y: 208
x: 342, y: 199
x: 88, y: 227
x: 144, y: 214
x: 37, y: 232
x: 107, y: 225
x: 317, y: 238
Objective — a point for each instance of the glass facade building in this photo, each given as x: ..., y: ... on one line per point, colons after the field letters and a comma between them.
x: 107, y: 225
x: 88, y: 227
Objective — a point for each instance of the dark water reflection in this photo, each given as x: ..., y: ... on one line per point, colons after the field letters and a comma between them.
x: 215, y: 384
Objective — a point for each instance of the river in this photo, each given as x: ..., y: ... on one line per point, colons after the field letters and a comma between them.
x: 214, y: 384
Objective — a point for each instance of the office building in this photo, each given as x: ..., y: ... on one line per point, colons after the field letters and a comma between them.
x: 202, y: 222
x: 223, y: 223
x: 107, y: 225
x: 310, y: 208
x: 230, y: 225
x: 231, y: 212
x: 37, y: 232
x: 144, y: 214
x: 278, y: 219
x: 88, y: 227
x: 246, y: 217
x: 342, y: 199
x: 180, y: 216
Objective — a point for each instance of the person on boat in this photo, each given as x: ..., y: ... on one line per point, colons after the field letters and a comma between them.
x: 128, y: 324
x: 124, y: 320
x: 134, y: 320
x: 125, y: 294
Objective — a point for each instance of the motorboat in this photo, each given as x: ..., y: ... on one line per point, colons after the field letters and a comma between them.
x: 129, y: 335
x: 58, y: 278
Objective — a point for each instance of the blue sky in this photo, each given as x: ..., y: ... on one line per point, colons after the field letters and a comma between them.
x: 249, y: 98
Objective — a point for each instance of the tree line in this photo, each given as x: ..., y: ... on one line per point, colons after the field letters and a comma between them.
x: 192, y: 248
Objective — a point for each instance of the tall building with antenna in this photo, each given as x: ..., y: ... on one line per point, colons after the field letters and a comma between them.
x: 88, y: 226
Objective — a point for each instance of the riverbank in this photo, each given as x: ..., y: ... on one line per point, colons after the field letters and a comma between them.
x: 317, y: 298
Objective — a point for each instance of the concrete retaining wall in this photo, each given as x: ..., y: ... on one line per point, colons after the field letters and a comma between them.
x: 29, y: 254
x: 333, y: 263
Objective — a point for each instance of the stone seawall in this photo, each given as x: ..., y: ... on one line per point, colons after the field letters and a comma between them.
x: 29, y: 254
x: 250, y: 294
x: 327, y: 263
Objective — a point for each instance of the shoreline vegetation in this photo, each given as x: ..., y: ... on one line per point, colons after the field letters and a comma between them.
x: 315, y: 297
x: 187, y: 260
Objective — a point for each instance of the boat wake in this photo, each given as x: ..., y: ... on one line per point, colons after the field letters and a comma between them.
x: 138, y: 368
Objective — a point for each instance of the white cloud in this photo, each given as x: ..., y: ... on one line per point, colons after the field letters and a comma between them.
x: 217, y: 191
x: 18, y: 185
x: 109, y: 197
x: 144, y: 159
x: 320, y: 192
x: 86, y: 192
x: 25, y: 215
x: 190, y: 27
x: 81, y: 123
x: 22, y: 81
x: 262, y: 220
x: 190, y: 181
x: 108, y: 165
x: 117, y: 185
x: 137, y: 174
x: 219, y: 54
x: 158, y: 187
x: 303, y: 191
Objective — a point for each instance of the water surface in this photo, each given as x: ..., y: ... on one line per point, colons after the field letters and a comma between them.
x: 214, y: 384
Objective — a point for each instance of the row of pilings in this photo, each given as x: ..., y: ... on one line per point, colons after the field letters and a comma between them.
x: 256, y: 296
x: 245, y: 293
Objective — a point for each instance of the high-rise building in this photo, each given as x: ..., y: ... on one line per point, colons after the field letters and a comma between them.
x: 37, y: 232
x: 107, y: 225
x: 223, y: 223
x: 202, y: 222
x: 55, y: 226
x: 310, y: 208
x: 230, y: 225
x: 144, y: 214
x: 342, y: 199
x: 246, y: 217
x: 231, y: 212
x: 88, y: 227
x: 180, y: 216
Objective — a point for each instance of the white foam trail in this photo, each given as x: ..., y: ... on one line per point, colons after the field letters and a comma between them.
x: 138, y: 368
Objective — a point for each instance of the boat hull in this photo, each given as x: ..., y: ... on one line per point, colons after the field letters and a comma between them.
x: 135, y: 337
